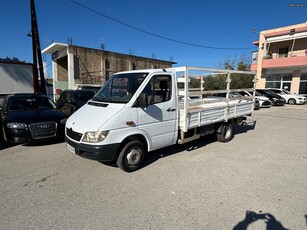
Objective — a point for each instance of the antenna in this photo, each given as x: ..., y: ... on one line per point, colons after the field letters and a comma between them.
x: 69, y: 41
x: 131, y: 51
x: 102, y: 46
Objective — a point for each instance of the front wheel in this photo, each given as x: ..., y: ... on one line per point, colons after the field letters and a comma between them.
x: 292, y: 101
x: 224, y: 133
x: 131, y: 156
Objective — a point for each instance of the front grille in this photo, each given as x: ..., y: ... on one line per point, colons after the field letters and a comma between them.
x: 43, y: 130
x: 73, y: 135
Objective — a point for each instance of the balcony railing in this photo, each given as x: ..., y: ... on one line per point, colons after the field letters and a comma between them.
x: 290, y: 61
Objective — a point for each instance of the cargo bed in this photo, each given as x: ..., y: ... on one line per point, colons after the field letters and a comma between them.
x: 197, y: 108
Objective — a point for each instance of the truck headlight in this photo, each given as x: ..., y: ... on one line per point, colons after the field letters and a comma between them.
x: 95, y: 137
x: 16, y: 125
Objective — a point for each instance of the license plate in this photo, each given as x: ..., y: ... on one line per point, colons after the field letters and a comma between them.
x: 70, y: 148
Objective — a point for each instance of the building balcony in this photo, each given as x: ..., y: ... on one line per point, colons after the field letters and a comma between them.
x: 290, y: 61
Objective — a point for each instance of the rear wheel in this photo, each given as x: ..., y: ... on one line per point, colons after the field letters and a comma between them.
x: 224, y: 133
x: 131, y: 156
x: 292, y: 101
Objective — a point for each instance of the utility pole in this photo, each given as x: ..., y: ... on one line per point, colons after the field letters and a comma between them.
x: 37, y: 55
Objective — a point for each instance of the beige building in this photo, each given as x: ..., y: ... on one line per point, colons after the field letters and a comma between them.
x: 281, y: 60
x: 74, y: 66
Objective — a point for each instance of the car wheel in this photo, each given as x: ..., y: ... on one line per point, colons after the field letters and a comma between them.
x: 4, y: 135
x: 292, y: 101
x: 224, y: 132
x: 131, y: 156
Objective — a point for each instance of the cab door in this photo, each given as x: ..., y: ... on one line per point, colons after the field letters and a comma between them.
x: 159, y: 118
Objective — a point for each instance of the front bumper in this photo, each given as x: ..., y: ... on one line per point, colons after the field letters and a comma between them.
x: 24, y: 136
x: 301, y: 101
x: 278, y: 102
x: 16, y: 136
x: 102, y: 153
x: 265, y: 104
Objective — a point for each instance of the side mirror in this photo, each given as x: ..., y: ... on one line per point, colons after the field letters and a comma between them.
x: 143, y: 101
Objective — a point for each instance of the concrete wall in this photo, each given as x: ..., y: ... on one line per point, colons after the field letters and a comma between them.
x: 92, y: 66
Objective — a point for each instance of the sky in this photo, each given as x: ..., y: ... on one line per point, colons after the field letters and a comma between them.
x: 195, y: 32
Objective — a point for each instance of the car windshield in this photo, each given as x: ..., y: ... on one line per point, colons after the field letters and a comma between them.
x: 30, y: 103
x: 120, y: 88
x: 84, y: 95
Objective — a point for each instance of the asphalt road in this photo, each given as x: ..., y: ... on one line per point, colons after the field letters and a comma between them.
x: 256, y: 181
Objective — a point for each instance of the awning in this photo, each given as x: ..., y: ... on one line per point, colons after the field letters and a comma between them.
x: 287, y: 37
x: 54, y: 47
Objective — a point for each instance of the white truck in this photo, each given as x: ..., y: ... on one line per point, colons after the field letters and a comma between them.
x: 16, y: 78
x: 139, y: 111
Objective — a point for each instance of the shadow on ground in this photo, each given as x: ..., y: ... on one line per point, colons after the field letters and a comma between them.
x: 190, y: 146
x: 4, y: 145
x: 193, y: 145
x: 251, y: 217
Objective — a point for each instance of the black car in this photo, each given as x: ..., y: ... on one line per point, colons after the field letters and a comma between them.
x: 30, y: 117
x: 275, y: 99
x: 71, y: 100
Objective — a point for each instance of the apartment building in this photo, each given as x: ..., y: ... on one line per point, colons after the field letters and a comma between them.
x: 281, y: 59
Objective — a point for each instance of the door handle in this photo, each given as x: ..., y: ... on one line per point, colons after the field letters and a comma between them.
x: 171, y: 109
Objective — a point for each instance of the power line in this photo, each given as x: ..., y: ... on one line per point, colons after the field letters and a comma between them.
x: 157, y: 35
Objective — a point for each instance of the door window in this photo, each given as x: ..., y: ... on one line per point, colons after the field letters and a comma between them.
x: 158, y: 89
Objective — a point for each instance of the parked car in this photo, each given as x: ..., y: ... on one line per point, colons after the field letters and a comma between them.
x: 235, y: 95
x: 72, y: 100
x: 30, y: 117
x: 275, y: 99
x: 290, y: 98
x: 264, y: 102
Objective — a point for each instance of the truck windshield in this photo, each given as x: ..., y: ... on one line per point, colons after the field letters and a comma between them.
x: 120, y: 88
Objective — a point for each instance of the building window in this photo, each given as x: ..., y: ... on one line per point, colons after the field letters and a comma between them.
x: 280, y: 81
x: 303, y: 84
x: 283, y: 52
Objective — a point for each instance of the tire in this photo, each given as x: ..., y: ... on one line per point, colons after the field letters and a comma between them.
x: 292, y: 101
x: 224, y: 133
x: 4, y: 135
x: 131, y: 156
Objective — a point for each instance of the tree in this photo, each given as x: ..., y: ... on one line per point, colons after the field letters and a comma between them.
x: 13, y: 59
x: 239, y: 81
x: 218, y: 82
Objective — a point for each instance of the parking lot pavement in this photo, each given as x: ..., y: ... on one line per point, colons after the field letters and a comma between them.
x: 256, y: 181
